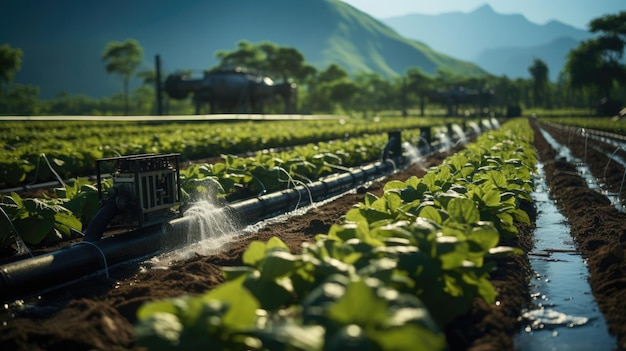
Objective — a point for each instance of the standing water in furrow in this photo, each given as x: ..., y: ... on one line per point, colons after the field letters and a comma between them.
x: 565, y: 315
x: 582, y: 168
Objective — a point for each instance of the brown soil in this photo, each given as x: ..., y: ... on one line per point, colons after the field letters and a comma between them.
x: 100, y: 314
x: 597, y: 227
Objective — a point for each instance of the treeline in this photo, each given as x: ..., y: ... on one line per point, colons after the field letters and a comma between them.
x: 594, y: 72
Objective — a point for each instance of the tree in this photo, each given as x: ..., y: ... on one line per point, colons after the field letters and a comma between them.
x: 539, y: 74
x: 332, y: 73
x: 419, y: 83
x: 508, y: 93
x: 147, y: 77
x: 22, y: 100
x: 246, y: 55
x: 324, y: 93
x: 596, y: 63
x: 267, y: 57
x: 610, y: 25
x: 373, y: 92
x: 286, y: 61
x: 123, y: 59
x: 14, y: 99
x: 10, y: 62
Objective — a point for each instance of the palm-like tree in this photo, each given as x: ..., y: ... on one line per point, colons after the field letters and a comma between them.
x: 123, y: 59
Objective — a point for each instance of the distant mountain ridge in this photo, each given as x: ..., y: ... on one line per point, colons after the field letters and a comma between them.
x: 491, y: 40
x: 63, y: 41
x: 515, y: 61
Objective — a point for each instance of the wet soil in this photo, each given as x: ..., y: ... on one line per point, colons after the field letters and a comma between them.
x: 100, y: 314
x: 598, y: 228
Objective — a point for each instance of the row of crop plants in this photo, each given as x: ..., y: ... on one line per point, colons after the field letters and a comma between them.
x: 49, y: 219
x: 390, y: 277
x: 606, y: 124
x: 30, y: 148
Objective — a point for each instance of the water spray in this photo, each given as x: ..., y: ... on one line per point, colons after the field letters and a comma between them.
x: 146, y: 195
x: 586, y: 136
x: 609, y: 161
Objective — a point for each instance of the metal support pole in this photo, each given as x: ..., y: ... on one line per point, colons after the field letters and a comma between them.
x: 159, y: 95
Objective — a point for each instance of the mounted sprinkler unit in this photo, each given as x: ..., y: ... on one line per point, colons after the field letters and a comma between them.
x: 144, y: 192
x: 393, y: 149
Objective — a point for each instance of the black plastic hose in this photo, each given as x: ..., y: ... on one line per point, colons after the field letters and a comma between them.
x: 28, y: 276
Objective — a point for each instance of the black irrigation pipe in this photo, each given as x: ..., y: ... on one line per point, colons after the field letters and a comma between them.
x: 26, y: 277
x: 30, y: 275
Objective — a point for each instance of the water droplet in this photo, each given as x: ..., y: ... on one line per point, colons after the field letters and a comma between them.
x: 353, y: 330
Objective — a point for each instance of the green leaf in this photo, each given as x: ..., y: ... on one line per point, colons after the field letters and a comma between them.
x: 410, y: 194
x: 463, y: 210
x: 505, y: 225
x: 520, y: 215
x: 394, y: 184
x: 369, y: 199
x: 350, y: 308
x: 485, y: 235
x: 254, y: 253
x: 34, y: 229
x: 269, y: 294
x: 392, y: 201
x: 490, y: 196
x: 65, y: 221
x: 504, y: 251
x: 242, y: 305
x: 276, y: 243
x: 369, y: 215
x: 413, y: 182
x: 432, y: 213
x: 277, y: 264
x: 498, y: 179
x: 159, y: 331
x: 234, y: 272
x: 409, y: 337
x: 451, y: 251
x: 486, y: 290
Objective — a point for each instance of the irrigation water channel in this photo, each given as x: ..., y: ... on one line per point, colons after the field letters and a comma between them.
x: 565, y: 315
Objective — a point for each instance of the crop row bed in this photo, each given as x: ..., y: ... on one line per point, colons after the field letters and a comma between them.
x: 418, y: 256
x: 49, y: 219
x: 71, y: 147
x: 609, y: 125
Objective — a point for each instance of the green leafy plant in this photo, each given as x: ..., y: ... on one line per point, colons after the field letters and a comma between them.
x: 36, y: 220
x: 418, y: 257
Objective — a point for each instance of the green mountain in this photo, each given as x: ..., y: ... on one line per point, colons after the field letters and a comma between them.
x: 63, y: 41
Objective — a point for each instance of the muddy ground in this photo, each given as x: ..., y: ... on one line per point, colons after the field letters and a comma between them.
x: 100, y: 315
x: 598, y: 228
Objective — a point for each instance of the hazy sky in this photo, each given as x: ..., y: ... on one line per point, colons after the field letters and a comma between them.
x: 574, y: 12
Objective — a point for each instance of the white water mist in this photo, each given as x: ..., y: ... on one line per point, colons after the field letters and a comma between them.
x: 459, y: 133
x: 211, y: 229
